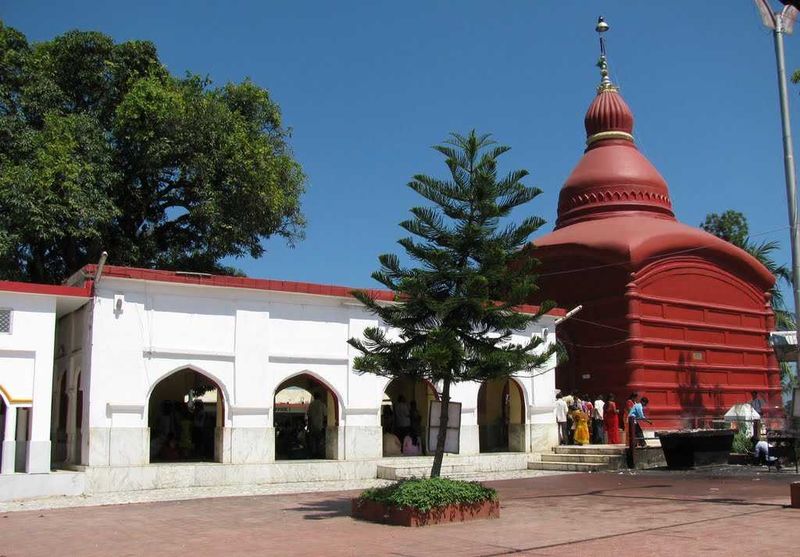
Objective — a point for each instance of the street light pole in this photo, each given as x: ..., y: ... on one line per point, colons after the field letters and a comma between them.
x: 781, y: 23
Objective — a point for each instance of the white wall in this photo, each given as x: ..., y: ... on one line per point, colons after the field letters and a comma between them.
x: 26, y: 369
x: 248, y: 341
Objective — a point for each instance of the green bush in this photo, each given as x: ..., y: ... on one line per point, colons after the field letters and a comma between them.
x: 742, y: 442
x: 428, y: 493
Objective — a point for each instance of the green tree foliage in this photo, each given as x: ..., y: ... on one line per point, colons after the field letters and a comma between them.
x: 455, y: 312
x: 102, y: 149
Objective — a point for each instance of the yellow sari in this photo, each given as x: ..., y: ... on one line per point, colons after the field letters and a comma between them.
x: 581, y: 427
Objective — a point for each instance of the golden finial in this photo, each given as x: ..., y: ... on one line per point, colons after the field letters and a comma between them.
x: 605, y: 81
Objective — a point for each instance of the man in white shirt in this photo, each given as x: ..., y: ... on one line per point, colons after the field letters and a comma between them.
x: 598, y: 425
x: 762, y: 455
x: 561, y: 419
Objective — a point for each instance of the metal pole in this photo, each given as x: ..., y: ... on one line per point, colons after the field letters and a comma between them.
x: 788, y: 163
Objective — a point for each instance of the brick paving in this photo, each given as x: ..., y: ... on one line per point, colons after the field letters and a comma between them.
x: 654, y: 513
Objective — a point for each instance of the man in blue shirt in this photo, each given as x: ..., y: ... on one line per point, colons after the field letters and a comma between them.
x: 637, y: 412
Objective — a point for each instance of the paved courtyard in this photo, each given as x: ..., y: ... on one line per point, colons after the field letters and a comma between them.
x: 651, y: 513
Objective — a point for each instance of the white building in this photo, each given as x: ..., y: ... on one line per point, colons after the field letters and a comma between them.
x: 102, y: 379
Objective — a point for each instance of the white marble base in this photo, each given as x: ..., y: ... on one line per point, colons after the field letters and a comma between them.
x: 362, y: 442
x: 543, y: 437
x: 333, y: 443
x: 469, y: 440
x: 38, y: 457
x: 517, y: 438
x: 129, y: 446
x: 9, y: 457
x: 51, y: 484
x: 223, y: 452
x: 99, y: 446
x: 250, y: 445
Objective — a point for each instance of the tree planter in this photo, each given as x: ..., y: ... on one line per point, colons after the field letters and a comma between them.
x: 375, y: 511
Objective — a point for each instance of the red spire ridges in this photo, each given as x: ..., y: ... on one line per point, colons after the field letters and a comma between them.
x: 608, y: 113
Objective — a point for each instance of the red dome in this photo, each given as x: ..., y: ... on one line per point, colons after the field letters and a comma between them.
x: 612, y: 177
x: 608, y: 112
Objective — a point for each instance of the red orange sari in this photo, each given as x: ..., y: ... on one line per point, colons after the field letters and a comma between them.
x: 611, y: 418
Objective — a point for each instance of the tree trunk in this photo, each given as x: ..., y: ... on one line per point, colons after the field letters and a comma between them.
x: 442, y: 436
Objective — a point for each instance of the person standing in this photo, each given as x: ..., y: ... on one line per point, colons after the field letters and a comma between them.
x: 588, y: 409
x: 637, y: 412
x: 758, y: 406
x: 581, y: 420
x: 561, y: 419
x: 315, y: 415
x: 402, y: 417
x: 633, y: 399
x: 598, y: 421
x: 611, y: 419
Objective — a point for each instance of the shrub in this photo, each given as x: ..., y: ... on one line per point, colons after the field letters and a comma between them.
x: 742, y: 443
x: 427, y: 493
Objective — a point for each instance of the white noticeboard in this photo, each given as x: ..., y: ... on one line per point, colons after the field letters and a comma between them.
x: 796, y: 403
x: 452, y: 440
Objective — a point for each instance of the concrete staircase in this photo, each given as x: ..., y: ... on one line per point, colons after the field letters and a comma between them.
x: 452, y: 471
x: 453, y: 466
x: 582, y: 458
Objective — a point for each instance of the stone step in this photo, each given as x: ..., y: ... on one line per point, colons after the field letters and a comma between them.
x: 611, y: 460
x: 400, y: 472
x: 568, y: 466
x: 590, y: 449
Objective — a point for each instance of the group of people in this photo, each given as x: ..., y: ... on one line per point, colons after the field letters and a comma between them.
x: 402, y: 428
x: 183, y: 431
x: 581, y: 421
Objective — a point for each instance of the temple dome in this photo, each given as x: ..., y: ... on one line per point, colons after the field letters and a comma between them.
x: 612, y: 177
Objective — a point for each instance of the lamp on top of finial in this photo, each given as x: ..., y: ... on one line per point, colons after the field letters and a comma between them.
x: 605, y: 81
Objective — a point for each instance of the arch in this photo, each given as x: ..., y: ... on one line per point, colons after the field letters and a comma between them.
x: 319, y: 379
x: 404, y: 411
x: 4, y: 398
x: 185, y: 409
x: 307, y: 420
x: 202, y: 371
x: 501, y: 415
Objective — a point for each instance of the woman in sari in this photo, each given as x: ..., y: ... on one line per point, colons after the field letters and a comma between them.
x: 581, y: 420
x: 611, y: 419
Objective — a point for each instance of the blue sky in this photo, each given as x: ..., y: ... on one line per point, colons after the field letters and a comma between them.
x: 369, y: 86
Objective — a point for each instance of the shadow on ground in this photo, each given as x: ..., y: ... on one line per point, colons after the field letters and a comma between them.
x: 321, y: 510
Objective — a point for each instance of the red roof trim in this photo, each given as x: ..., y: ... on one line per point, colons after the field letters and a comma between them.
x: 45, y: 289
x: 133, y: 273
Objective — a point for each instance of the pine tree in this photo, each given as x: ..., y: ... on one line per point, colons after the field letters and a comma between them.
x: 454, y: 313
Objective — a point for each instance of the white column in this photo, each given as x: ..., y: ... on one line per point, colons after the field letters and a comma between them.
x: 9, y: 441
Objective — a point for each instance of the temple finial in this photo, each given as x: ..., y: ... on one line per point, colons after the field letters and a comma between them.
x: 605, y: 81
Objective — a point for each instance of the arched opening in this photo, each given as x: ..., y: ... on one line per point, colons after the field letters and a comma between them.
x: 404, y: 413
x: 501, y: 416
x: 306, y: 419
x: 184, y: 411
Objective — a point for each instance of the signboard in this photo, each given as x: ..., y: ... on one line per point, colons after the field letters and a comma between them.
x: 452, y: 439
x: 796, y: 403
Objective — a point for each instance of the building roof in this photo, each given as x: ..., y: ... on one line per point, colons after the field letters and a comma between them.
x: 68, y: 298
x: 222, y: 281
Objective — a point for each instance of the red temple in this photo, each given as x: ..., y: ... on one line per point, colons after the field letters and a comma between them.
x: 669, y: 311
